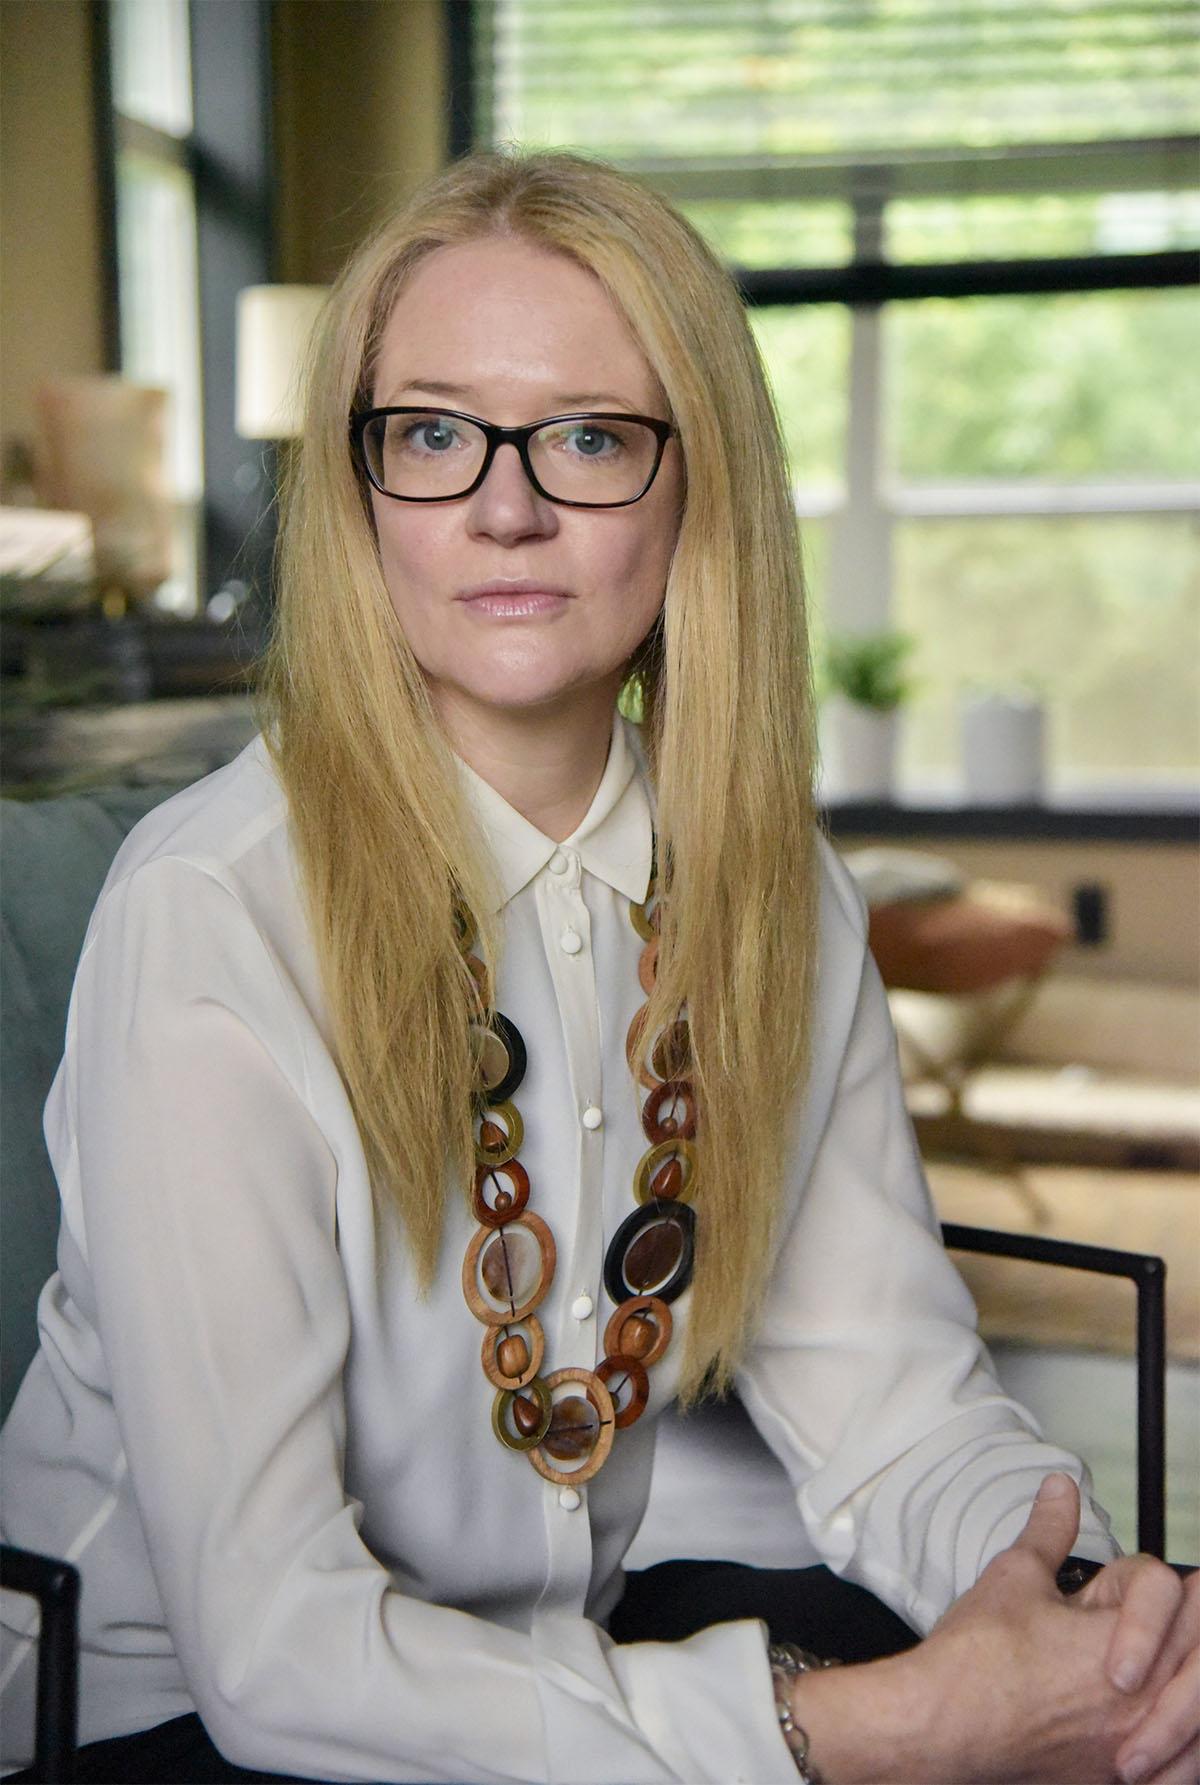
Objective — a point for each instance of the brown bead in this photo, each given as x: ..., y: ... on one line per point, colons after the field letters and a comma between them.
x: 512, y: 1355
x: 638, y: 1335
x: 574, y: 1429
x: 653, y: 1256
x: 503, y: 1202
x: 492, y: 1136
x: 510, y: 1265
x: 527, y: 1415
x: 672, y: 1054
x: 620, y: 1374
x: 495, y: 1060
x: 668, y: 1181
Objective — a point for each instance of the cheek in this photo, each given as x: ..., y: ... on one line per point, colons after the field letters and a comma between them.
x: 647, y: 565
x: 407, y: 556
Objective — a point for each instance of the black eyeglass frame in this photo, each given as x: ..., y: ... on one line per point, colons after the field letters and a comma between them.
x: 496, y: 437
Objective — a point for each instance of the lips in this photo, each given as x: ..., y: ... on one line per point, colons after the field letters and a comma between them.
x: 516, y: 599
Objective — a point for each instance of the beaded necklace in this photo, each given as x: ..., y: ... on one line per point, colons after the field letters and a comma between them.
x: 565, y: 1421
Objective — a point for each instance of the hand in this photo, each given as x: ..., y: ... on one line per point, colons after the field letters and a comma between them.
x: 1156, y: 1644
x: 1064, y: 1717
x: 1012, y: 1685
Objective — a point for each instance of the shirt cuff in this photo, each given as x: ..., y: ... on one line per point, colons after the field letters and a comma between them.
x: 698, y: 1712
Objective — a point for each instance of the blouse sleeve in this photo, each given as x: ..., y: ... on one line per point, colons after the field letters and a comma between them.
x: 869, y: 1381
x: 202, y: 1193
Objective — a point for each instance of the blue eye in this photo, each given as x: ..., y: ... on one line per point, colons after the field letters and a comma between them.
x: 592, y: 442
x: 435, y: 435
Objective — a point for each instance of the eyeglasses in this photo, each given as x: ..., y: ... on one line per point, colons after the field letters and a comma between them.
x: 581, y: 461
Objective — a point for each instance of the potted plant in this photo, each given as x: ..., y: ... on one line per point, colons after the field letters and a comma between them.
x: 866, y: 681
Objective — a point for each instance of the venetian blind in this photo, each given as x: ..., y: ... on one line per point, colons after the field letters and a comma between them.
x: 824, y: 99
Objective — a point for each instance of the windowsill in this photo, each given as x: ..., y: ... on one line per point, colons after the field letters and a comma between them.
x: 1101, y: 815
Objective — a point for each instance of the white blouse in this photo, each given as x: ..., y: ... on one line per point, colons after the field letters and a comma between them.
x: 273, y: 1460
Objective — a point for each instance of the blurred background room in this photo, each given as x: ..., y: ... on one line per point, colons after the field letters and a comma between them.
x: 967, y: 234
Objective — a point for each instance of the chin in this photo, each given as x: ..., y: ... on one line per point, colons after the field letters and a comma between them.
x: 531, y: 692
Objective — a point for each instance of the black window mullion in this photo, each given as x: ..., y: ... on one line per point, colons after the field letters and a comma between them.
x: 232, y: 150
x: 106, y: 180
x: 884, y: 282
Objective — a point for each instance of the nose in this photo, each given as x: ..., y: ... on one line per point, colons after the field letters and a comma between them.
x: 506, y: 506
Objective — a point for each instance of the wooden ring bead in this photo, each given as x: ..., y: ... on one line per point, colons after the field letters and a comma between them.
x: 465, y: 930
x: 503, y: 1059
x: 533, y: 1341
x: 618, y: 1364
x: 497, y: 1114
x: 670, y: 1092
x: 509, y: 1199
x: 601, y: 1400
x: 483, y: 985
x: 647, y: 1311
x: 648, y: 966
x: 644, y: 917
x: 512, y: 1313
x: 635, y: 1052
x: 503, y: 1422
x: 654, y: 1180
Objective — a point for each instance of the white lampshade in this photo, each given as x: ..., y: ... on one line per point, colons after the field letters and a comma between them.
x: 274, y: 323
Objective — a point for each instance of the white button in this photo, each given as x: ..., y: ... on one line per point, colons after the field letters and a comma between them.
x: 570, y: 942
x: 582, y: 1307
x: 592, y: 1117
x: 569, y: 1499
x: 558, y: 863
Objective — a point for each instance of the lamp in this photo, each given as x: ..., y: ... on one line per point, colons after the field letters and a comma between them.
x: 274, y: 324
x: 101, y: 452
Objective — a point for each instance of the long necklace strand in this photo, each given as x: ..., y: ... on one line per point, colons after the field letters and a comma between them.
x: 565, y: 1421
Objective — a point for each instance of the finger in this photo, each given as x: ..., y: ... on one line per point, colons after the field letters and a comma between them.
x: 1053, y: 1522
x: 1183, y: 1770
x: 1170, y: 1729
x: 1150, y: 1600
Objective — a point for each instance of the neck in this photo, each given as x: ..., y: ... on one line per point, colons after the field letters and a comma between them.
x: 547, y: 763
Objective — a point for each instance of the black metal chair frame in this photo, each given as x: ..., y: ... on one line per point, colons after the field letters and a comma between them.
x: 1149, y: 1275
x: 55, y: 1586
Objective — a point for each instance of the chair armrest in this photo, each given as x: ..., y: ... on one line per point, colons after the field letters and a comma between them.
x: 55, y: 1586
x: 1148, y: 1275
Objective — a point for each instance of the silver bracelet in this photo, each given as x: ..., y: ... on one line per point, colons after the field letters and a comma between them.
x: 787, y: 1663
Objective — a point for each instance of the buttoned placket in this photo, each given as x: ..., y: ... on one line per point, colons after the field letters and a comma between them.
x: 567, y: 939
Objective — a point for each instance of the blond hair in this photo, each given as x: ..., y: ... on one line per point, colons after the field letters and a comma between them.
x: 379, y: 824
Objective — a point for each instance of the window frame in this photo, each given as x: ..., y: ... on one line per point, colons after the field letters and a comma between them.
x: 865, y: 284
x: 228, y: 158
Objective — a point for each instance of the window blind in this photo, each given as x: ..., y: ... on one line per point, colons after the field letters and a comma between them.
x: 849, y: 100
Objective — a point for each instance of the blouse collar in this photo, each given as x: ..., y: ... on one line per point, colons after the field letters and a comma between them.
x: 614, y: 840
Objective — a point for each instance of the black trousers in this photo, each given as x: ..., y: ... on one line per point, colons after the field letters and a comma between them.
x: 809, y: 1606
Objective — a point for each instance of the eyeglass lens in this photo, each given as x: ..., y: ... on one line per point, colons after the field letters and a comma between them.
x: 431, y: 455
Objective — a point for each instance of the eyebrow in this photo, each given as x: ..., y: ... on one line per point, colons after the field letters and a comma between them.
x: 561, y: 400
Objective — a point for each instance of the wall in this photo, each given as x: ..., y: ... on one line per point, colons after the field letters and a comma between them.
x: 51, y: 284
x: 360, y: 103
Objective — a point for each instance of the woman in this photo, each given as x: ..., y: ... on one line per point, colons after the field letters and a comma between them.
x: 292, y: 1378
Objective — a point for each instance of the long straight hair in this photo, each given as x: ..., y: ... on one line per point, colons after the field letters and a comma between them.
x: 382, y: 835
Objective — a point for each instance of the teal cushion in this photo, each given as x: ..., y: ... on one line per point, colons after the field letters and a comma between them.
x: 56, y: 854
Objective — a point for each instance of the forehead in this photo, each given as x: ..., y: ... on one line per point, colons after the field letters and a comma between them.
x: 503, y: 320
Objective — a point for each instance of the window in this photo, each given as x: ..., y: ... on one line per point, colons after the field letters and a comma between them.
x: 192, y: 176
x: 967, y: 235
x: 158, y: 293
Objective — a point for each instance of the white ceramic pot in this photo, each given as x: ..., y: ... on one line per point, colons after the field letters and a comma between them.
x: 858, y: 750
x: 1003, y: 750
